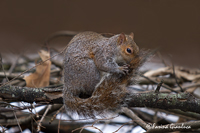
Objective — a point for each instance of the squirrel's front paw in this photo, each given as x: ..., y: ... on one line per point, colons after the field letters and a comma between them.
x: 124, y: 69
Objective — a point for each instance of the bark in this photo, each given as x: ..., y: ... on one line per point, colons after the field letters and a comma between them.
x: 182, y: 101
x: 30, y: 95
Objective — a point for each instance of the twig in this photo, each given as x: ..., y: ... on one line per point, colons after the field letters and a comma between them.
x: 17, y: 121
x: 40, y: 122
x: 31, y: 116
x: 59, y: 121
x: 27, y: 119
x: 81, y: 128
x: 186, y: 115
x: 37, y: 115
x: 2, y: 109
x: 158, y: 87
x: 176, y: 78
x: 58, y: 34
x: 184, y: 87
x: 14, y: 65
x: 167, y: 81
x: 165, y: 86
x: 12, y: 75
x: 134, y: 117
x: 93, y: 124
x: 143, y: 115
x: 121, y: 126
x: 3, y: 129
x: 54, y: 116
x: 12, y: 68
x: 1, y: 62
x: 163, y: 61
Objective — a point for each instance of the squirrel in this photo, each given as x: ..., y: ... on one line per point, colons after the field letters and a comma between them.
x: 97, y: 70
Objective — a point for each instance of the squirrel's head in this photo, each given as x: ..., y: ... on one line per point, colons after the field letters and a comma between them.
x: 127, y: 47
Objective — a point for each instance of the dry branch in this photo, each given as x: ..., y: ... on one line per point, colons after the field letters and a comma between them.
x: 26, y: 94
x: 182, y: 101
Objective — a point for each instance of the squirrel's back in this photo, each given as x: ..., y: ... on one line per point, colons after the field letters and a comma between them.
x: 80, y: 72
x: 86, y: 43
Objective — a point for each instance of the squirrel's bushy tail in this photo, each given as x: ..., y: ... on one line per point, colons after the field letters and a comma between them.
x: 108, y: 95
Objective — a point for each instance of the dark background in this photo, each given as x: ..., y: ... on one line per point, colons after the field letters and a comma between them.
x: 171, y: 25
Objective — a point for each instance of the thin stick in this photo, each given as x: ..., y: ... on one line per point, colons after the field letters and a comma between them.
x: 176, y: 78
x: 17, y: 121
x: 134, y: 117
x: 60, y: 33
x: 37, y: 115
x: 30, y: 112
x: 12, y: 68
x: 105, y: 119
x: 46, y: 111
x: 158, y: 87
x: 94, y: 123
x: 86, y: 127
x: 54, y: 116
x: 14, y: 64
x: 59, y: 121
x: 163, y: 61
x: 1, y: 62
x: 165, y: 86
x: 122, y: 126
x: 3, y: 129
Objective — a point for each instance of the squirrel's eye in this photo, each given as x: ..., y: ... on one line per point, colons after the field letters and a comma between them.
x: 128, y: 50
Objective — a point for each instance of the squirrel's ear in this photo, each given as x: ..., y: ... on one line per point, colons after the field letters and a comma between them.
x: 132, y: 35
x: 121, y: 38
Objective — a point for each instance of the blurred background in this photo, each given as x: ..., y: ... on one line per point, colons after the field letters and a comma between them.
x: 170, y: 25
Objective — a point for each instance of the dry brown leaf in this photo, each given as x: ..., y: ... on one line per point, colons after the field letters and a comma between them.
x: 40, y: 78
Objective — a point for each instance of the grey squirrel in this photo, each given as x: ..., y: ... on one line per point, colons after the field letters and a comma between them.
x: 97, y: 70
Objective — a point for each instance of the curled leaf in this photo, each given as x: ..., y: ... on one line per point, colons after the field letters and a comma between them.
x: 40, y: 78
